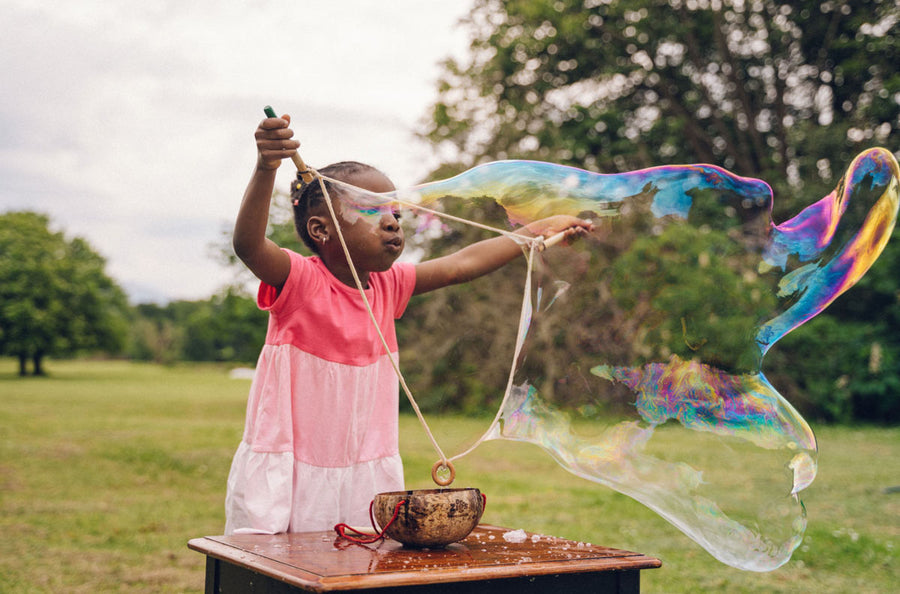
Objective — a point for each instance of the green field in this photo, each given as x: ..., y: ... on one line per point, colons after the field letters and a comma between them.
x: 107, y: 469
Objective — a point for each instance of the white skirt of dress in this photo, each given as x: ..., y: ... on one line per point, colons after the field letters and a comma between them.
x: 269, y: 493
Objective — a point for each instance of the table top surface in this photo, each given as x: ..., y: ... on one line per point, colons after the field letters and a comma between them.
x: 323, y: 561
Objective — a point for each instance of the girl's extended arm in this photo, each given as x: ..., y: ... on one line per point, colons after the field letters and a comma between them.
x: 487, y: 256
x: 260, y: 254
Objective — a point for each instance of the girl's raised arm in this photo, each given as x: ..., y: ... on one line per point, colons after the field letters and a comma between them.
x: 260, y: 254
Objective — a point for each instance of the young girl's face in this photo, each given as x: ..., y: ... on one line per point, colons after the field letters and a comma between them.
x: 373, y: 235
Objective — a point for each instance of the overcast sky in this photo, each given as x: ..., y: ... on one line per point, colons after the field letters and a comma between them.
x: 130, y: 123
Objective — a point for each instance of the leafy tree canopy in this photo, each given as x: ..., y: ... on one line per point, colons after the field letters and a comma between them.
x: 55, y: 298
x: 785, y: 91
x: 788, y: 92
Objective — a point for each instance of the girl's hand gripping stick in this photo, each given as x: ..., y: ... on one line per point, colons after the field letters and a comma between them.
x: 551, y: 241
x: 304, y: 172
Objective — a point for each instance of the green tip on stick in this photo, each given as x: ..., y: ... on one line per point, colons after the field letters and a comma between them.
x: 305, y: 174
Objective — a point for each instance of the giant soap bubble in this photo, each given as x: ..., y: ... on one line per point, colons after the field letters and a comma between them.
x: 672, y: 304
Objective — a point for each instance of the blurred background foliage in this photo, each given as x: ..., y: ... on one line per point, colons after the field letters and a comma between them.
x: 786, y: 92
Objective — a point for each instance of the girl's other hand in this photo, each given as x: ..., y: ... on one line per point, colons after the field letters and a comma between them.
x: 274, y: 142
x: 573, y: 226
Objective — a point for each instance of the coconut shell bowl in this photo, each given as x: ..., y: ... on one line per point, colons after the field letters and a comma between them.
x: 428, y: 518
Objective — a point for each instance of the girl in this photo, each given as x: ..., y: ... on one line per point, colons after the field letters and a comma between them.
x: 320, y: 438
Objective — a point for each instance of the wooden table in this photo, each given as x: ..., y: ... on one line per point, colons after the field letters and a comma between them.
x: 483, y: 562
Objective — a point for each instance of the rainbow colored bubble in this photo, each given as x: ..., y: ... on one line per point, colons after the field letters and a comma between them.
x: 674, y: 301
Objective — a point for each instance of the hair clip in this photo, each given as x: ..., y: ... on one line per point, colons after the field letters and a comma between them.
x: 302, y: 183
x: 300, y: 186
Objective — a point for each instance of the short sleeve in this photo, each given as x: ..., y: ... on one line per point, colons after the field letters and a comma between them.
x: 405, y: 284
x: 270, y: 299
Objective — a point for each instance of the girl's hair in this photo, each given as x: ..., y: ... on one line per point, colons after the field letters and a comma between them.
x: 306, y: 198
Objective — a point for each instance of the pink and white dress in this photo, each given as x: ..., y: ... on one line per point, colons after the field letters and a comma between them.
x: 320, y: 438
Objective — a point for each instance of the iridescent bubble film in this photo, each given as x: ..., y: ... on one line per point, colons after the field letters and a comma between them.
x: 671, y: 305
x: 359, y: 204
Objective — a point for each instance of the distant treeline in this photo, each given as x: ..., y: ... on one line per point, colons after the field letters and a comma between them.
x: 227, y: 327
x: 456, y: 345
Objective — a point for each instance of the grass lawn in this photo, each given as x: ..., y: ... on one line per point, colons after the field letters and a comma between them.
x: 107, y: 469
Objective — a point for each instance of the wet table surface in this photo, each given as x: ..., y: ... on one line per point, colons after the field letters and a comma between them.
x: 490, y: 559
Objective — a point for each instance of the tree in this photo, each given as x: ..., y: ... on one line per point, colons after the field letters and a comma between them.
x: 227, y: 327
x: 788, y: 92
x: 54, y: 295
x: 157, y: 335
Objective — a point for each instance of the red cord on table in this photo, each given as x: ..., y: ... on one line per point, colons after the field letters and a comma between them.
x: 341, y: 529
